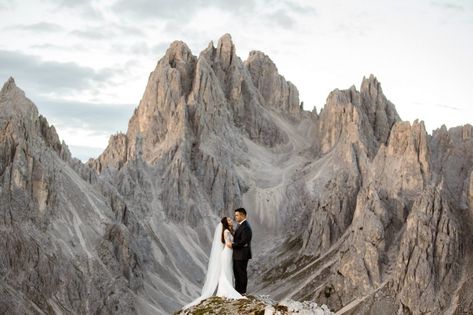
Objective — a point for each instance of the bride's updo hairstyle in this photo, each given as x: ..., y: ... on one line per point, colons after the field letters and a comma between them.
x: 224, y: 222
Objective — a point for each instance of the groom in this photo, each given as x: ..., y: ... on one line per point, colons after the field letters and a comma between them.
x: 241, y: 250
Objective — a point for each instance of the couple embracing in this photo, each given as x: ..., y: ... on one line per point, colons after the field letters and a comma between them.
x: 231, y: 250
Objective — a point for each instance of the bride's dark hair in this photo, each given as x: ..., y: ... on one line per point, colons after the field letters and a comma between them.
x: 224, y: 222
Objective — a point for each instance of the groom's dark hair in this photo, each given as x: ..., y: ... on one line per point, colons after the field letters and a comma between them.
x: 241, y: 210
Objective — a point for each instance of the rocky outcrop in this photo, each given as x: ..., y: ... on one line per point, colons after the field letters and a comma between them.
x: 365, y: 117
x: 428, y: 268
x: 380, y: 111
x: 255, y: 305
x: 115, y: 155
x: 402, y: 168
x: 388, y: 174
x: 244, y: 100
x: 159, y: 120
x: 276, y: 91
x: 50, y: 221
x: 452, y: 154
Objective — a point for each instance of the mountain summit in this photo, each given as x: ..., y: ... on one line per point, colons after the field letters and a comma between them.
x: 353, y: 208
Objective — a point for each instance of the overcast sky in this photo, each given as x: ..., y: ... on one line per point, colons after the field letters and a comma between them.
x: 85, y: 64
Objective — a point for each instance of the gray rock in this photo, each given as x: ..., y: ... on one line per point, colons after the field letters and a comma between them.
x: 276, y: 91
x: 428, y: 268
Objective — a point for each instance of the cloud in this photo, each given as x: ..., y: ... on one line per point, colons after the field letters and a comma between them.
x: 280, y: 17
x: 71, y: 3
x: 299, y: 8
x: 97, y: 118
x: 140, y: 48
x: 449, y: 5
x: 160, y: 49
x: 177, y: 9
x: 155, y: 9
x: 279, y: 12
x: 127, y: 29
x: 283, y: 13
x: 137, y: 48
x: 69, y: 48
x: 93, y: 34
x: 6, y: 4
x: 51, y: 76
x: 43, y: 27
x: 85, y: 127
x: 449, y: 107
x: 85, y: 9
x: 107, y: 31
x: 83, y: 153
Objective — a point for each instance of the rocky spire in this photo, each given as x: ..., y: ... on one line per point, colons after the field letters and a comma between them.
x: 8, y: 85
x: 226, y: 51
x: 188, y: 96
x: 364, y: 116
x: 14, y: 102
x: 16, y: 108
x: 381, y: 112
x: 427, y: 268
x: 160, y: 116
x: 276, y: 91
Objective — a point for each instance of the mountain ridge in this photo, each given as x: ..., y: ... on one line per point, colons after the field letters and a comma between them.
x: 342, y: 201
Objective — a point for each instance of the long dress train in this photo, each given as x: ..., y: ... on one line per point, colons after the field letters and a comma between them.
x: 219, y: 271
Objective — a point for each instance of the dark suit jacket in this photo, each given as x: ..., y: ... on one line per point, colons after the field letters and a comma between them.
x: 242, y: 242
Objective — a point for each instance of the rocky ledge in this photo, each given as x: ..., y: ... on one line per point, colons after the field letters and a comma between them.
x: 255, y: 304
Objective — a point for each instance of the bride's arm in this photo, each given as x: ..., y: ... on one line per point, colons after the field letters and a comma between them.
x: 228, y: 240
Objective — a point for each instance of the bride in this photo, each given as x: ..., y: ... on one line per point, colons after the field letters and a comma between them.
x: 220, y: 269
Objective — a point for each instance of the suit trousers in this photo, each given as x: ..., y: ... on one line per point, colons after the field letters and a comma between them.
x: 241, y: 277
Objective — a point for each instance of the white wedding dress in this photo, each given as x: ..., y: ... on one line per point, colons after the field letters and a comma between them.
x: 219, y: 275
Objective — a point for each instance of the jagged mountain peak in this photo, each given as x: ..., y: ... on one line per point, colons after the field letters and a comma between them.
x: 178, y: 51
x: 278, y: 93
x: 370, y: 82
x: 225, y: 40
x: 226, y: 50
x: 353, y: 116
x: 13, y: 102
x: 27, y: 122
x: 185, y: 95
x: 381, y: 112
x: 259, y: 57
x: 224, y: 54
x: 8, y: 85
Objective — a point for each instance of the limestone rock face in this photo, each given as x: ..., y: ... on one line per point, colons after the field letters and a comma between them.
x: 380, y: 111
x: 276, y: 91
x: 402, y: 167
x: 243, y: 99
x: 366, y: 117
x: 428, y: 266
x: 352, y: 207
x: 51, y: 222
x: 451, y: 155
x: 14, y: 102
x: 116, y: 154
x: 159, y: 119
